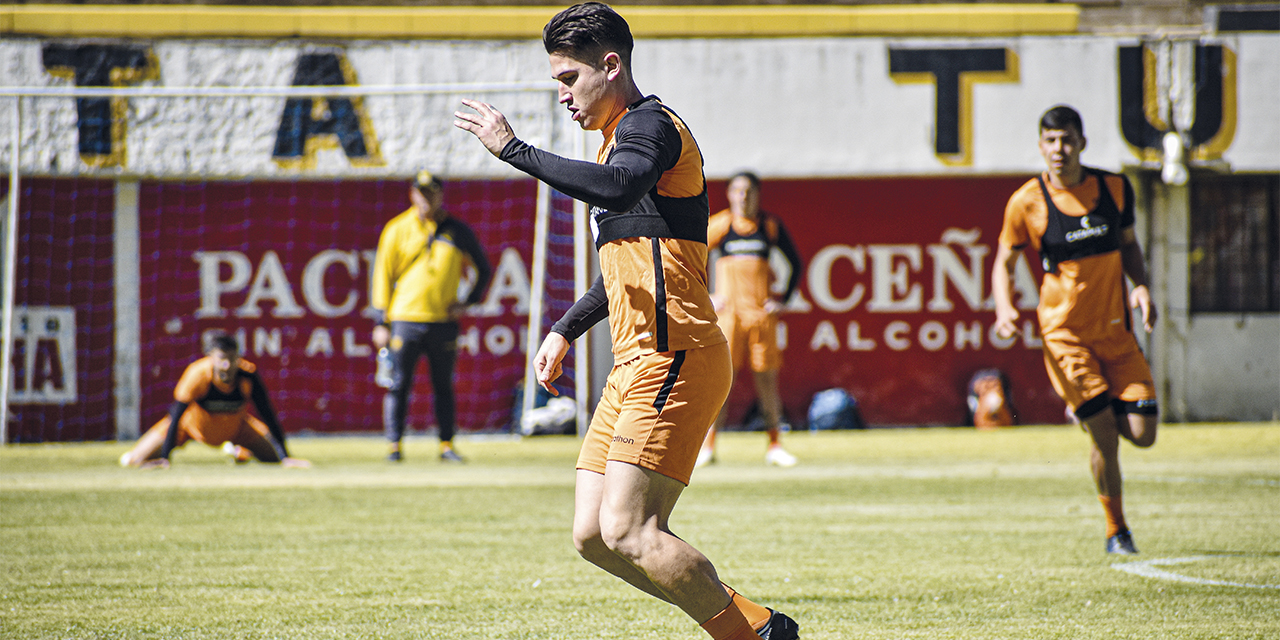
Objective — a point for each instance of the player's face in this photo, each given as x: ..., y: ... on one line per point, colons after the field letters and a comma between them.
x: 744, y: 197
x: 1061, y: 150
x: 584, y: 88
x: 225, y: 365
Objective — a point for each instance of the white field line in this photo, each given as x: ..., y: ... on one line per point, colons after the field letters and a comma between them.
x: 1147, y: 569
x: 1198, y: 480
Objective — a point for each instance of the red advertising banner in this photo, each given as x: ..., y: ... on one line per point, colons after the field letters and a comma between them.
x: 894, y: 306
x: 286, y: 265
x: 63, y: 325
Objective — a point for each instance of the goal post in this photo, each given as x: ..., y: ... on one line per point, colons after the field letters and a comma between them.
x: 195, y: 216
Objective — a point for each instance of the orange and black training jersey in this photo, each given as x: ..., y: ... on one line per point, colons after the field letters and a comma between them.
x: 199, y: 385
x: 419, y: 266
x: 649, y: 216
x: 1077, y: 231
x: 743, y: 276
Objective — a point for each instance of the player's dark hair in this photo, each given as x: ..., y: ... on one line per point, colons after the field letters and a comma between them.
x: 1060, y: 118
x: 428, y: 183
x: 587, y: 31
x: 223, y: 342
x: 749, y: 175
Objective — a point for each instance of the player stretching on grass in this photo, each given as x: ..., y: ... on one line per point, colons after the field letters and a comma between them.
x: 745, y: 234
x: 671, y: 364
x: 211, y: 405
x: 1081, y: 220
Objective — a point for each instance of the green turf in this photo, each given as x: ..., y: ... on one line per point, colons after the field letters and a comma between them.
x: 917, y: 533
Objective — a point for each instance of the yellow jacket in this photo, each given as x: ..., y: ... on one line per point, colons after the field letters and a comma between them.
x: 419, y: 266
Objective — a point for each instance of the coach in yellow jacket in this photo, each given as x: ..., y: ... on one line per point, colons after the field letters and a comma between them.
x: 421, y: 255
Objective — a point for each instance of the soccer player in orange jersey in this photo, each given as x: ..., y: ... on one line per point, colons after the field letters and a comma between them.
x: 1081, y: 220
x: 671, y: 368
x: 211, y: 405
x: 745, y: 235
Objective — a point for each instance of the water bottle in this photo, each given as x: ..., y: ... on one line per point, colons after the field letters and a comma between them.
x: 383, y: 376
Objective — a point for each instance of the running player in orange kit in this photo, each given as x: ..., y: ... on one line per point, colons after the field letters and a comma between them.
x: 671, y: 368
x: 211, y: 405
x: 1081, y: 220
x: 745, y: 235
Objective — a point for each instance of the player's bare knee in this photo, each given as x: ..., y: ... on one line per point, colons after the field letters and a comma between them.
x: 587, y: 541
x: 1144, y: 435
x: 623, y: 538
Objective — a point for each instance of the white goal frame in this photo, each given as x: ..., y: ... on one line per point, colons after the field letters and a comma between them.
x: 127, y: 368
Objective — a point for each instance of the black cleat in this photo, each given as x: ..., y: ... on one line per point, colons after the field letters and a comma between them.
x: 1122, y: 544
x: 394, y: 456
x: 449, y: 455
x: 779, y: 627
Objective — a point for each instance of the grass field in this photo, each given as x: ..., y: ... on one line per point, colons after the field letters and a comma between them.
x: 911, y: 533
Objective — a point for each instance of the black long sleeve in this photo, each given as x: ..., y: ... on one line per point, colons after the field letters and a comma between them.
x: 646, y: 144
x: 171, y: 437
x: 590, y: 309
x: 265, y: 411
x: 788, y: 249
x: 470, y: 245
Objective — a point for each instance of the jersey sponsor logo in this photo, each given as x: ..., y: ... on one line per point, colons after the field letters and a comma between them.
x: 1087, y: 231
x: 745, y: 245
x: 624, y: 440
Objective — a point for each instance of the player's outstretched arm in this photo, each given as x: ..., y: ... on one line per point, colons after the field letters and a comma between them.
x: 1135, y: 267
x: 1002, y: 292
x: 647, y: 144
x: 487, y: 124
x: 546, y: 364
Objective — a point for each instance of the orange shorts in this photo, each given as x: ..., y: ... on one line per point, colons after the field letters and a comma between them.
x: 214, y: 429
x: 656, y: 409
x: 753, y: 338
x: 1081, y: 372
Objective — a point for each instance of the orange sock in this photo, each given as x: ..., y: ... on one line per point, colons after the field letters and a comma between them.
x: 754, y: 613
x: 1112, y: 506
x: 729, y: 625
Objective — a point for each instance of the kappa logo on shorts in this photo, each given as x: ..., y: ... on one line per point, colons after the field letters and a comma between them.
x: 624, y: 440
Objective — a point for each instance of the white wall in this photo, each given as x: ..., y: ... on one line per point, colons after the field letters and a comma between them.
x: 1233, y: 370
x: 794, y: 107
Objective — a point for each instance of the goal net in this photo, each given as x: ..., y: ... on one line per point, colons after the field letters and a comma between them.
x: 145, y: 218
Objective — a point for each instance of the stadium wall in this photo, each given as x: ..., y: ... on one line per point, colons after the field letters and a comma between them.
x: 889, y: 157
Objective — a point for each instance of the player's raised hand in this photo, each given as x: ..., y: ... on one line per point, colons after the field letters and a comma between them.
x: 546, y: 365
x: 1140, y: 298
x: 487, y: 123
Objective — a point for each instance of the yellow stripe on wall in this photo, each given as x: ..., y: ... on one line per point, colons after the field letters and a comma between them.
x: 151, y: 21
